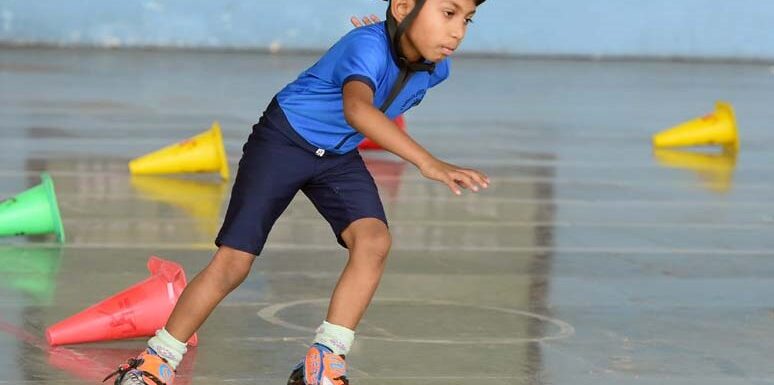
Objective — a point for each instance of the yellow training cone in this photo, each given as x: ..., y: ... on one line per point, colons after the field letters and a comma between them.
x: 202, y: 153
x: 717, y: 128
x: 715, y: 171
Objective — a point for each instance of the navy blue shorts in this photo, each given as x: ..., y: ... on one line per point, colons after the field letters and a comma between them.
x: 276, y: 163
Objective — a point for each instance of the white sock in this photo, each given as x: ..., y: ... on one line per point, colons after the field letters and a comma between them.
x: 168, y: 347
x: 337, y: 338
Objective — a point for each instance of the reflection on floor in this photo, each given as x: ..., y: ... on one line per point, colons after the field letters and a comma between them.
x: 592, y: 259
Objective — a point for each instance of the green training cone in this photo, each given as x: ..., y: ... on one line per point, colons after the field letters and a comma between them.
x: 32, y: 212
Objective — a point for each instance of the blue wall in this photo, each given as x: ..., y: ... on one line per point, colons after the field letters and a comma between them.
x: 740, y: 29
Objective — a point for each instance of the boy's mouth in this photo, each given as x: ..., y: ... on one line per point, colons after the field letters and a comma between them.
x: 447, y: 51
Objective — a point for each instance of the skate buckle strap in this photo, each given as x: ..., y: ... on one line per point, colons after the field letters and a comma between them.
x: 132, y: 363
x: 337, y: 367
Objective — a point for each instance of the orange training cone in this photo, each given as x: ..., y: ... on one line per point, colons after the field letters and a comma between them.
x: 202, y: 153
x: 368, y: 144
x: 137, y: 311
x: 717, y: 128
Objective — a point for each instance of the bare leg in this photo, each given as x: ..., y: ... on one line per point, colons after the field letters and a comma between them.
x: 369, y: 242
x: 227, y: 270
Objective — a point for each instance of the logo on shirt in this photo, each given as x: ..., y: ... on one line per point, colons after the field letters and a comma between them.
x: 413, y: 100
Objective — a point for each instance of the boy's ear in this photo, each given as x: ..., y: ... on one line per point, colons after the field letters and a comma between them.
x: 401, y: 8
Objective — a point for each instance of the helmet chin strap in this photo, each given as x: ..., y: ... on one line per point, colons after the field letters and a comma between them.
x: 407, y: 68
x: 396, y: 32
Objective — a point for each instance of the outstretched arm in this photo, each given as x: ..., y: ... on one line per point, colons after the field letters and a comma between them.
x: 371, y: 122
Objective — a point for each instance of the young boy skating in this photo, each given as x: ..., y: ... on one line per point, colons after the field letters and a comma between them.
x: 306, y: 141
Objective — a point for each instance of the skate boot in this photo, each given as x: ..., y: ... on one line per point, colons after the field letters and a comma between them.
x: 320, y: 367
x: 146, y: 369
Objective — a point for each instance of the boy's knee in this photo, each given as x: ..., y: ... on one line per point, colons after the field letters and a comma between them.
x: 379, y: 242
x: 231, y: 266
x: 371, y: 237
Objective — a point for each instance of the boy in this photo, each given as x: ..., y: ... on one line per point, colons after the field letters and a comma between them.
x: 306, y: 141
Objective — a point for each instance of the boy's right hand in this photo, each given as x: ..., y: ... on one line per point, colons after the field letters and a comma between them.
x: 454, y: 176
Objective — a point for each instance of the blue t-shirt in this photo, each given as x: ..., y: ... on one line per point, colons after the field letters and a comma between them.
x: 313, y: 103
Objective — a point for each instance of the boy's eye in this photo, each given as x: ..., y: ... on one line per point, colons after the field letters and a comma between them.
x: 468, y: 21
x: 448, y: 13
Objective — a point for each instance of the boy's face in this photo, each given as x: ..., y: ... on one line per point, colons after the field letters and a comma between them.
x: 437, y: 30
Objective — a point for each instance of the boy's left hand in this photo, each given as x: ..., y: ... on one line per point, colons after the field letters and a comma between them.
x: 455, y: 176
x: 373, y: 19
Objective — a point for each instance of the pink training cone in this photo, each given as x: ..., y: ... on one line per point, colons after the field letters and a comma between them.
x: 368, y: 144
x: 138, y: 311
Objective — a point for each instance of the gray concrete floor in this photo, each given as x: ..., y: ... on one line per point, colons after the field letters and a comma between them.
x: 591, y: 260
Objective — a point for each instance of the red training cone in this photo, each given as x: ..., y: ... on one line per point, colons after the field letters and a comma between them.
x: 137, y: 311
x: 368, y: 144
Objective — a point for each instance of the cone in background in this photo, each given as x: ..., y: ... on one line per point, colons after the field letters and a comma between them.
x: 138, y: 311
x: 32, y: 212
x: 202, y: 153
x: 200, y: 200
x: 31, y: 271
x: 717, y: 128
x: 368, y: 144
x: 387, y: 174
x: 715, y: 171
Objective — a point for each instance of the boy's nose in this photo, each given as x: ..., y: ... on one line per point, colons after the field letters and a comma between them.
x: 458, y: 32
